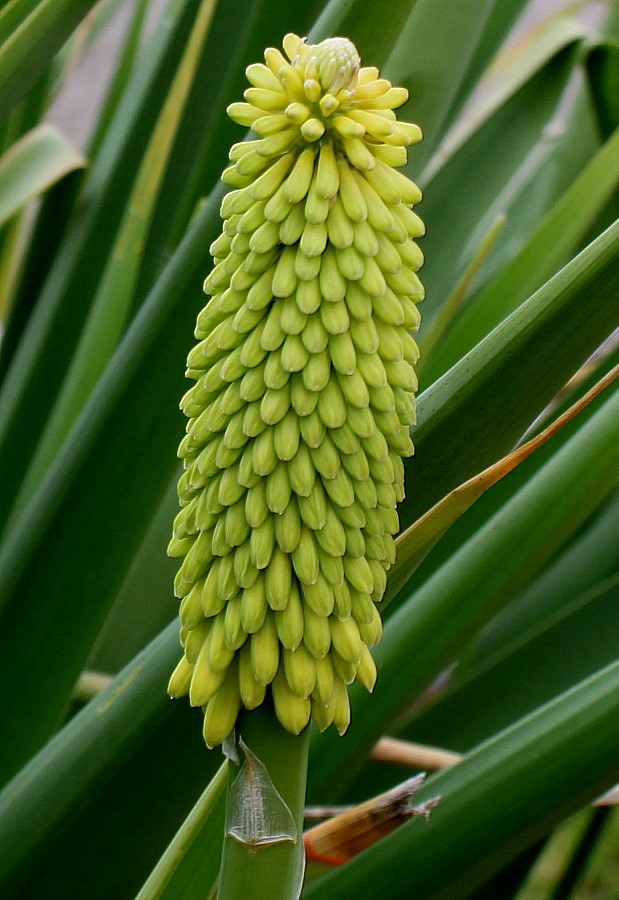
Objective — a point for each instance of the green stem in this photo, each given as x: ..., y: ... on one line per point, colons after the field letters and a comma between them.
x: 273, y: 870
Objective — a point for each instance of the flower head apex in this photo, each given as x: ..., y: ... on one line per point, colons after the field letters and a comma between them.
x: 315, y: 94
x: 334, y: 64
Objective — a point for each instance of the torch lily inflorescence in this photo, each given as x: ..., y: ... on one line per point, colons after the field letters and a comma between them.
x: 304, y: 394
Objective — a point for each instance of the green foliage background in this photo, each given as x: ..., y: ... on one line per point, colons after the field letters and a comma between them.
x: 515, y: 609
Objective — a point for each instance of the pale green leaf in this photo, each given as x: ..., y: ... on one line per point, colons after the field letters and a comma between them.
x: 36, y: 162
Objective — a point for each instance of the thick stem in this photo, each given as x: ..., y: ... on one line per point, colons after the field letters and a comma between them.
x: 273, y: 870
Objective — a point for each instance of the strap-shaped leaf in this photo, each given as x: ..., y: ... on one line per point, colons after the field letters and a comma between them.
x: 504, y: 796
x: 31, y: 34
x: 32, y: 165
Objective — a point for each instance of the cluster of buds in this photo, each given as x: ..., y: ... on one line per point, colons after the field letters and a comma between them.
x: 304, y: 394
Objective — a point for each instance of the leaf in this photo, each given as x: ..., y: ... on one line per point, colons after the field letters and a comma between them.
x: 122, y: 70
x: 433, y: 623
x: 500, y: 799
x: 555, y: 238
x: 527, y: 670
x: 472, y: 520
x: 585, y: 564
x: 31, y: 34
x: 479, y: 409
x: 112, y: 300
x: 40, y: 362
x: 497, y: 29
x: 508, y: 74
x: 32, y: 165
x: 131, y: 748
x: 417, y: 541
x: 190, y: 864
x: 431, y: 57
x: 433, y: 333
x: 145, y: 601
x: 524, y: 156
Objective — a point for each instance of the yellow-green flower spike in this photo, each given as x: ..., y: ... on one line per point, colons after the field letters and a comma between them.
x: 303, y: 396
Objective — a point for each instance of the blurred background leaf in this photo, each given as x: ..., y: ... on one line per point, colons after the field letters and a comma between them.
x: 495, y: 640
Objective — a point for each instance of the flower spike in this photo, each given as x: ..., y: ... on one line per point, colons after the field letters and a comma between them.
x: 303, y: 397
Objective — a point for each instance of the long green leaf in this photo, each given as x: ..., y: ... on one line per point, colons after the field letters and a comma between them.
x: 427, y: 631
x: 13, y: 15
x: 507, y: 75
x: 417, y: 541
x: 589, y: 560
x: 506, y: 488
x: 28, y: 47
x: 130, y: 748
x: 478, y: 410
x: 190, y: 865
x: 112, y: 301
x: 40, y: 362
x: 41, y: 158
x: 536, y: 665
x: 144, y: 603
x: 123, y: 68
x: 498, y: 27
x: 524, y: 156
x: 555, y: 238
x: 431, y: 57
x: 499, y: 800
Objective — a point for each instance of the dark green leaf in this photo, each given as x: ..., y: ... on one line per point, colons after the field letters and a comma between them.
x: 502, y: 798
